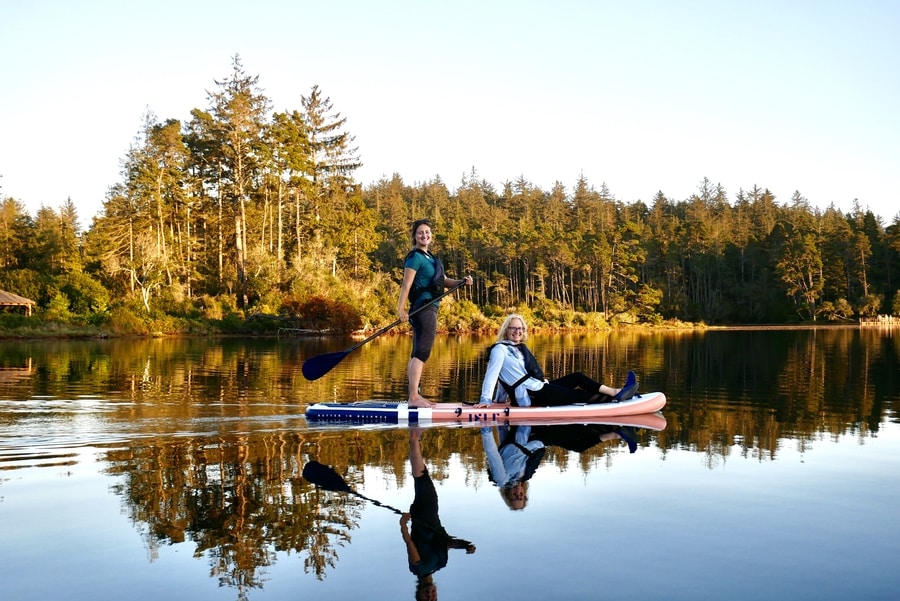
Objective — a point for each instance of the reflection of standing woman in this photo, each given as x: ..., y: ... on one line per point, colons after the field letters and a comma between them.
x: 423, y: 280
x: 428, y: 543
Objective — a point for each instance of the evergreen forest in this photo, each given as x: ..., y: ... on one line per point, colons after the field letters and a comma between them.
x: 243, y: 219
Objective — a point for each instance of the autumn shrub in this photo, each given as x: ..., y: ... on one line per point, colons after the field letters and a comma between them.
x: 185, y: 308
x: 623, y: 319
x: 493, y: 312
x: 269, y: 301
x: 232, y: 322
x: 319, y: 313
x: 530, y: 317
x: 86, y: 295
x: 463, y: 316
x: 263, y: 324
x: 125, y: 320
x: 208, y: 307
x: 14, y: 321
x: 58, y: 308
x: 227, y: 304
x: 173, y: 300
x: 556, y: 318
x: 98, y: 320
x: 179, y: 325
x: 653, y: 319
x: 291, y: 307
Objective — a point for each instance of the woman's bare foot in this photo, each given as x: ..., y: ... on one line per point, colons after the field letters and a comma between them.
x: 420, y: 403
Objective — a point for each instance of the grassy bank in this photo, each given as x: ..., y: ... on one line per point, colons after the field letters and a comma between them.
x: 454, y: 317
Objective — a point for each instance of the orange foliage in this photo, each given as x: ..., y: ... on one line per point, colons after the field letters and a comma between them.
x: 319, y: 313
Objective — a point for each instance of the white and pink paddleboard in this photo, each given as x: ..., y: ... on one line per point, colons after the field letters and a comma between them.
x: 396, y: 413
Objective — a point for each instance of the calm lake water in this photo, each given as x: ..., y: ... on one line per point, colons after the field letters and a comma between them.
x: 172, y: 469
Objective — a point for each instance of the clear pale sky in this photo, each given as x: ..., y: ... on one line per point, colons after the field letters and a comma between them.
x: 644, y: 96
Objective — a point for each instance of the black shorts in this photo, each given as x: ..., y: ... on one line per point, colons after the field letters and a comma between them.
x: 424, y: 324
x: 425, y: 502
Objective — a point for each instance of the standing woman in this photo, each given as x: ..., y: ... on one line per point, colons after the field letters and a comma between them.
x: 423, y: 280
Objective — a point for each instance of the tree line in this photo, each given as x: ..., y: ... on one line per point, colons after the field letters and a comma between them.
x: 243, y: 210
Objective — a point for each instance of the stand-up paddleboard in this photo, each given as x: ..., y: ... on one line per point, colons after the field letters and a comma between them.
x: 395, y: 413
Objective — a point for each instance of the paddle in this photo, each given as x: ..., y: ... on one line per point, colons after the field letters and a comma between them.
x: 316, y: 367
x: 324, y: 477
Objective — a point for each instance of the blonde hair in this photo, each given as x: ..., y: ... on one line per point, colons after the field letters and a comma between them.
x: 501, y: 335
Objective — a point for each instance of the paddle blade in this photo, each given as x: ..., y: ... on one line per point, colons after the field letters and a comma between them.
x: 316, y: 367
x: 324, y: 477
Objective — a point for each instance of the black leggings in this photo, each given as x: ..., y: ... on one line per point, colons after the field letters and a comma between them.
x: 570, y: 389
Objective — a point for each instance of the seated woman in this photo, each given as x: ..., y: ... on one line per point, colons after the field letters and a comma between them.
x: 522, y: 381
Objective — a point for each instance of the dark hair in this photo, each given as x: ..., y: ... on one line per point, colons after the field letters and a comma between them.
x: 422, y: 584
x: 416, y: 225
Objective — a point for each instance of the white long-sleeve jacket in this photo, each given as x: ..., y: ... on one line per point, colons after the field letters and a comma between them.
x: 507, y: 364
x: 507, y: 462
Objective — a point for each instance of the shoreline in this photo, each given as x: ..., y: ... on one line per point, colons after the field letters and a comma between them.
x: 56, y: 334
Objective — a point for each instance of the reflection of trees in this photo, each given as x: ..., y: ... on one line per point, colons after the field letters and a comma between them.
x: 241, y: 500
x: 762, y: 388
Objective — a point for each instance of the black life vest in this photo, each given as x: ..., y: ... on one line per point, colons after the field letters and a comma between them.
x: 435, y: 285
x: 532, y: 369
x: 534, y: 456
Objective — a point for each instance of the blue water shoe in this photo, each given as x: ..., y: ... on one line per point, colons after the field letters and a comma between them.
x: 628, y: 390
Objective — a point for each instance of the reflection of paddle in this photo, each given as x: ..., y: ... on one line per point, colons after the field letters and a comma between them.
x: 316, y: 367
x: 325, y: 477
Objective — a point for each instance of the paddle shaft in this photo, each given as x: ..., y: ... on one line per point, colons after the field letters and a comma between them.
x: 411, y: 313
x: 325, y: 477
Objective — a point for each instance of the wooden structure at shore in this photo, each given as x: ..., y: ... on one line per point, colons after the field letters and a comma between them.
x: 10, y: 302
